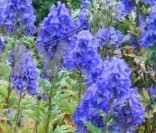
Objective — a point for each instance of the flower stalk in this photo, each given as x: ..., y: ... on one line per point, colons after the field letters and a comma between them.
x: 49, y: 106
x: 18, y: 112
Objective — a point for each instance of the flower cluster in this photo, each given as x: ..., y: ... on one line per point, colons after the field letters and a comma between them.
x: 152, y: 93
x: 148, y: 38
x: 127, y: 113
x: 110, y: 80
x: 129, y: 5
x: 149, y: 2
x: 17, y: 15
x: 87, y: 110
x: 54, y: 37
x: 151, y: 19
x: 23, y: 74
x: 83, y: 55
x: 2, y: 43
x: 109, y: 37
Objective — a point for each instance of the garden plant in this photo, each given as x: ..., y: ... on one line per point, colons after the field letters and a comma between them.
x: 76, y: 66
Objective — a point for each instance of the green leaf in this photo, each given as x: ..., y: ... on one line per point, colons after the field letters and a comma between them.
x: 92, y: 128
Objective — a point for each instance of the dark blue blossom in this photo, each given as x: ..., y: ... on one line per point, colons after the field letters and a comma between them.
x: 132, y: 40
x: 121, y: 11
x: 109, y: 81
x: 148, y: 38
x: 83, y: 56
x: 127, y: 113
x: 39, y: 96
x: 109, y: 37
x: 54, y: 38
x: 151, y: 19
x: 149, y: 2
x: 152, y: 93
x: 9, y: 115
x: 2, y: 43
x: 87, y: 110
x: 19, y: 122
x: 17, y: 15
x: 129, y: 4
x: 142, y: 23
x: 82, y: 20
x: 23, y: 74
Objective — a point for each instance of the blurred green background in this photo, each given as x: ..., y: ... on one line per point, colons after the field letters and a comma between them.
x: 42, y: 7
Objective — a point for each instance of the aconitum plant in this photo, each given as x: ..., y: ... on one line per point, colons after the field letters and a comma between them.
x: 54, y: 37
x: 83, y: 55
x: 127, y: 113
x: 112, y: 83
x: 16, y: 16
x: 23, y: 75
x: 2, y: 43
x: 109, y: 38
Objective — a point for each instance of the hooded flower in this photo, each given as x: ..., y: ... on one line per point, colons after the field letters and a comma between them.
x: 109, y: 81
x: 17, y: 15
x: 23, y: 74
x: 109, y: 37
x: 54, y: 37
x: 2, y: 43
x: 83, y: 55
x: 127, y: 113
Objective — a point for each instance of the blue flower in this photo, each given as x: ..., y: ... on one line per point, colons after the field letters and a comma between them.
x: 39, y: 96
x: 17, y: 15
x: 151, y: 19
x: 109, y: 38
x: 148, y: 38
x: 83, y: 56
x: 23, y: 74
x: 129, y: 4
x: 127, y: 113
x: 109, y: 80
x: 149, y: 2
x: 152, y: 93
x: 54, y: 37
x: 2, y: 43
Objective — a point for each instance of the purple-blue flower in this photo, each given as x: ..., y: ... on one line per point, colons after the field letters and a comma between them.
x: 2, y: 44
x: 17, y: 15
x: 24, y: 73
x: 108, y: 81
x: 127, y: 113
x: 83, y: 56
x: 54, y: 37
x: 148, y: 38
x: 109, y: 37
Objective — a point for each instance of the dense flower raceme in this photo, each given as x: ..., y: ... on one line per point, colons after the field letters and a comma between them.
x: 127, y: 113
x: 151, y: 19
x: 148, y: 38
x: 152, y: 93
x: 109, y: 37
x: 149, y: 2
x: 17, y: 15
x: 23, y: 74
x: 87, y: 110
x: 2, y: 44
x: 109, y: 81
x: 83, y: 55
x: 54, y: 37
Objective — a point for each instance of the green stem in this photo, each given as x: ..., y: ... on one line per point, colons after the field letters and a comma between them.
x: 7, y: 101
x: 49, y: 107
x: 18, y: 111
x: 80, y: 86
x: 154, y: 123
x: 107, y: 116
x: 36, y: 124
